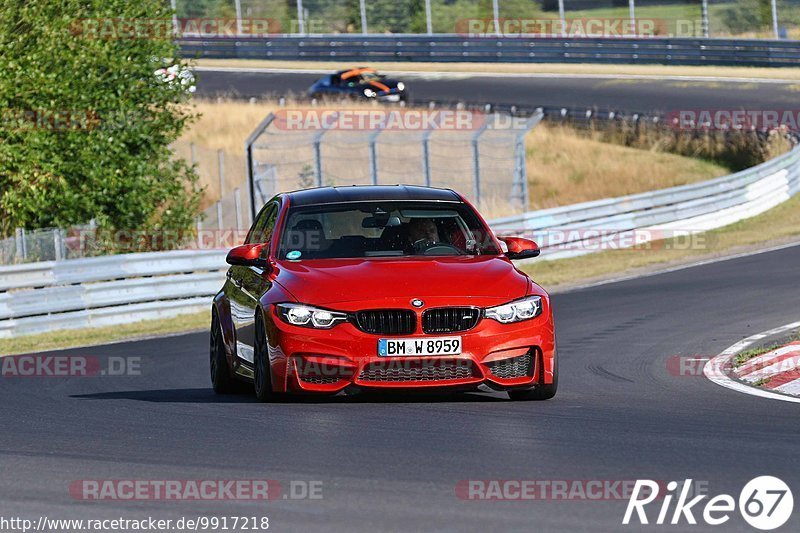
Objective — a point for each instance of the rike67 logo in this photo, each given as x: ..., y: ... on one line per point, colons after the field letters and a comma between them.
x: 765, y: 503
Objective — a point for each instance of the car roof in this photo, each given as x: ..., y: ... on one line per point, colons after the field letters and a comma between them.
x: 367, y: 193
x: 350, y: 72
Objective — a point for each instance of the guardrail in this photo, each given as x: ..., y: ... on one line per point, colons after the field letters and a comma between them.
x: 102, y: 291
x: 583, y: 228
x: 454, y: 48
x: 118, y: 289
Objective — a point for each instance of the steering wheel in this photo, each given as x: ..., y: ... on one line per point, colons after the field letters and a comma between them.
x: 428, y: 247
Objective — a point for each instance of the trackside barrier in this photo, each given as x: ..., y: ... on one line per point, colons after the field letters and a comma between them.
x: 455, y: 48
x: 688, y: 208
x: 111, y: 290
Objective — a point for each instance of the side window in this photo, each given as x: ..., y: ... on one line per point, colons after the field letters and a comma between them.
x: 264, y: 226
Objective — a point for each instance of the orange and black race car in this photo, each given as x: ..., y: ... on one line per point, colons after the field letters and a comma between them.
x: 359, y: 82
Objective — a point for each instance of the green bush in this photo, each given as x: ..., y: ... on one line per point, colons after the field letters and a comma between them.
x: 86, y: 124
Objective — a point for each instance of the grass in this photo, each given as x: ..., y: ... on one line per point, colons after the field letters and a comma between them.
x: 563, y: 165
x: 566, y: 167
x: 779, y: 224
x: 526, y: 68
x: 56, y: 340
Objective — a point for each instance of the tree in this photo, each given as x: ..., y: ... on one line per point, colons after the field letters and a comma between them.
x: 86, y: 124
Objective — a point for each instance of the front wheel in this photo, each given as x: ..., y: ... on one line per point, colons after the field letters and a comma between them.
x: 262, y: 376
x: 539, y: 392
x: 221, y: 380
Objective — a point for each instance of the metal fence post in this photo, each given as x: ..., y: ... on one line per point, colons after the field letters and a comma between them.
x: 373, y: 156
x: 57, y: 245
x: 237, y: 205
x: 18, y: 242
x: 476, y: 163
x: 518, y: 187
x: 19, y: 237
x: 301, y: 24
x: 318, y: 160
x: 221, y: 170
x: 174, y: 5
x: 632, y: 13
x: 775, y: 19
x: 426, y: 158
x: 199, y: 225
x: 251, y: 166
x: 428, y: 17
x: 317, y: 142
x: 704, y: 16
x: 426, y: 154
x: 363, y: 10
x: 220, y: 225
x: 496, y: 16
x: 238, y: 6
x: 562, y: 17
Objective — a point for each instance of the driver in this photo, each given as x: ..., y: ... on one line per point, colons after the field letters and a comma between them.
x: 422, y: 232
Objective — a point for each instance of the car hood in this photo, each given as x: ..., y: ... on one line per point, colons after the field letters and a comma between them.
x: 448, y: 280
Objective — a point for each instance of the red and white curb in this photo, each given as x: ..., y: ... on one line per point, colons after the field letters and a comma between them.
x: 778, y: 370
x: 780, y: 366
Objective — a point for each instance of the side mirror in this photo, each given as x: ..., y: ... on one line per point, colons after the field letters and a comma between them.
x: 247, y: 255
x: 519, y: 248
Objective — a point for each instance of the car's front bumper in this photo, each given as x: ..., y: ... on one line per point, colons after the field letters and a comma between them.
x: 501, y: 356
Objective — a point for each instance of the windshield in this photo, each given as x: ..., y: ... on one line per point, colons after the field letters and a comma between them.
x: 384, y: 229
x: 367, y: 77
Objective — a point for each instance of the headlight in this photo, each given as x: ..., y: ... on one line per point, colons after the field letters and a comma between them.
x: 369, y: 93
x: 401, y: 86
x: 309, y: 317
x: 515, y: 311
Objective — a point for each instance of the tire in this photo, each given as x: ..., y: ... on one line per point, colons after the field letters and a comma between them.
x: 539, y: 392
x: 262, y: 376
x: 221, y: 379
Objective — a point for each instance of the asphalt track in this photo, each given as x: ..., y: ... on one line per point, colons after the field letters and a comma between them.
x: 633, y: 95
x: 392, y: 464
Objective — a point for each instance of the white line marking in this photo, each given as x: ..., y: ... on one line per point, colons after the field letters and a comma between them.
x: 713, y: 369
x: 479, y: 74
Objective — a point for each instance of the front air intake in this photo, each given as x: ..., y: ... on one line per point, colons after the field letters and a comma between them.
x: 387, y: 321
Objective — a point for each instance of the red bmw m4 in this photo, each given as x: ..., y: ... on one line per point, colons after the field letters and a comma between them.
x: 380, y: 288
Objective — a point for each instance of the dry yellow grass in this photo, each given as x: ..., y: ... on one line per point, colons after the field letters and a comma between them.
x: 525, y: 68
x: 563, y: 166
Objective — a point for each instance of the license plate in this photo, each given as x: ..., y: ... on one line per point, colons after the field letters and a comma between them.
x: 419, y: 346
